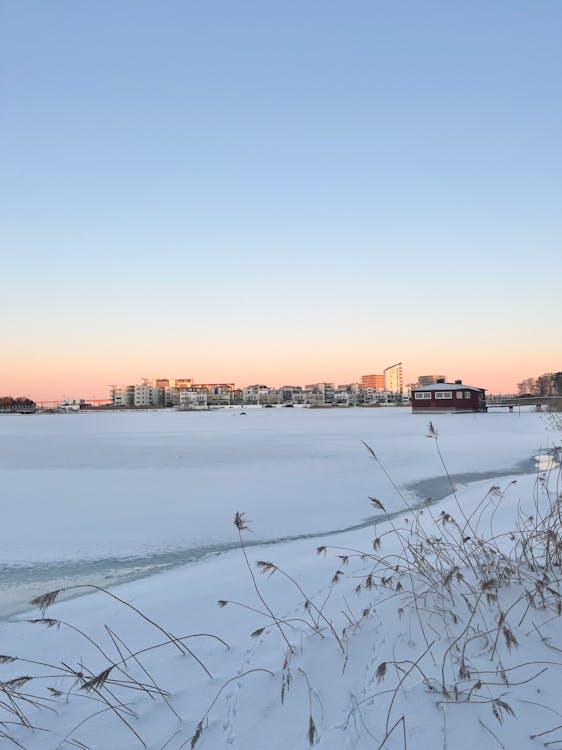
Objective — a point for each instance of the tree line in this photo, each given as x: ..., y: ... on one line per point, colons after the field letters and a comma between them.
x: 547, y: 384
x: 8, y: 402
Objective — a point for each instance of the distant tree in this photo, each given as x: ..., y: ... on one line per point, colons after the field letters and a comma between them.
x: 24, y: 401
x: 545, y: 384
x: 529, y: 385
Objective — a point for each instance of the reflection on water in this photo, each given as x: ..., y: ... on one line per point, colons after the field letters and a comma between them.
x: 19, y: 583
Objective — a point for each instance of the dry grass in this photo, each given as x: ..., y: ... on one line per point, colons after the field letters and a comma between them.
x: 473, y: 594
x: 555, y: 406
x: 124, y: 674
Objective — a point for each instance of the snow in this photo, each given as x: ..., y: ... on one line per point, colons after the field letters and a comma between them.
x: 447, y: 387
x: 87, y: 491
x: 114, y: 484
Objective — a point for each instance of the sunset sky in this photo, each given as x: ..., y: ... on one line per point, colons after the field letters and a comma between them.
x: 282, y: 192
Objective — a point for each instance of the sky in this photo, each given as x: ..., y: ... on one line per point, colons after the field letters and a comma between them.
x: 278, y: 192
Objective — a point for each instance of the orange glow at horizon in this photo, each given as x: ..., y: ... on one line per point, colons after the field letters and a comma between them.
x: 79, y: 382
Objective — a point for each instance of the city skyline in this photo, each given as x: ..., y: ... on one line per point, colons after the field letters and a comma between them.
x: 249, y: 192
x: 366, y: 380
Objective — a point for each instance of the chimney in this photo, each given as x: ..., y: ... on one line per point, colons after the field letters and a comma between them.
x: 458, y: 382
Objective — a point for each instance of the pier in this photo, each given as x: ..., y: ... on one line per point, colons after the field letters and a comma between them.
x: 509, y: 402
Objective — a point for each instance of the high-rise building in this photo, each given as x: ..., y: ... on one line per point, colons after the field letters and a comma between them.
x: 373, y: 381
x: 393, y: 378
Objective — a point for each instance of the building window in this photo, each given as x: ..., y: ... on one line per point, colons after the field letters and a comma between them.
x: 443, y: 394
x: 467, y: 394
x: 459, y: 394
x: 422, y: 395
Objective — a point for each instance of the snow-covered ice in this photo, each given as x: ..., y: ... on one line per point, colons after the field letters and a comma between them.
x: 86, y: 491
x: 107, y: 497
x: 127, y: 484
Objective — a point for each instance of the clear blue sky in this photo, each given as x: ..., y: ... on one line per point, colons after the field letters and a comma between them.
x: 291, y: 191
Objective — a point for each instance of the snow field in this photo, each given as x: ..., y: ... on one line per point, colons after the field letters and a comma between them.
x: 350, y: 704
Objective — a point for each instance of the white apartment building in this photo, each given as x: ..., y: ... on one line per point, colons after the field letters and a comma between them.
x: 122, y: 395
x: 192, y: 399
x: 310, y: 397
x: 326, y: 389
x: 145, y: 395
x: 289, y: 394
x: 255, y: 394
x: 141, y: 394
x: 344, y: 397
x: 394, y: 379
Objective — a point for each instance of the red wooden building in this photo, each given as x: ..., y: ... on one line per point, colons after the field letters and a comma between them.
x: 448, y: 397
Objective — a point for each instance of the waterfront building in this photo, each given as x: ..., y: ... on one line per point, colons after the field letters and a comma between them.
x: 373, y: 381
x: 448, y: 397
x: 254, y: 395
x: 18, y: 405
x: 122, y: 395
x: 394, y: 379
x: 289, y: 394
x: 72, y: 404
x: 192, y: 399
x: 182, y: 392
x: 145, y: 395
x: 326, y: 390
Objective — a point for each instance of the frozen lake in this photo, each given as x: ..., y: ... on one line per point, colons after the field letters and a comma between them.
x: 106, y: 497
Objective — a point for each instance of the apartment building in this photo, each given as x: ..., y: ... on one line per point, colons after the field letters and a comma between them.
x: 122, y: 395
x: 140, y: 395
x: 373, y: 381
x: 160, y: 392
x: 192, y: 399
x: 326, y: 390
x: 394, y: 379
x: 254, y: 395
x: 144, y: 395
x: 289, y: 394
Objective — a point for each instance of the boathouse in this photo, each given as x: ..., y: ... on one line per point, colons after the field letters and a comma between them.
x: 448, y: 397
